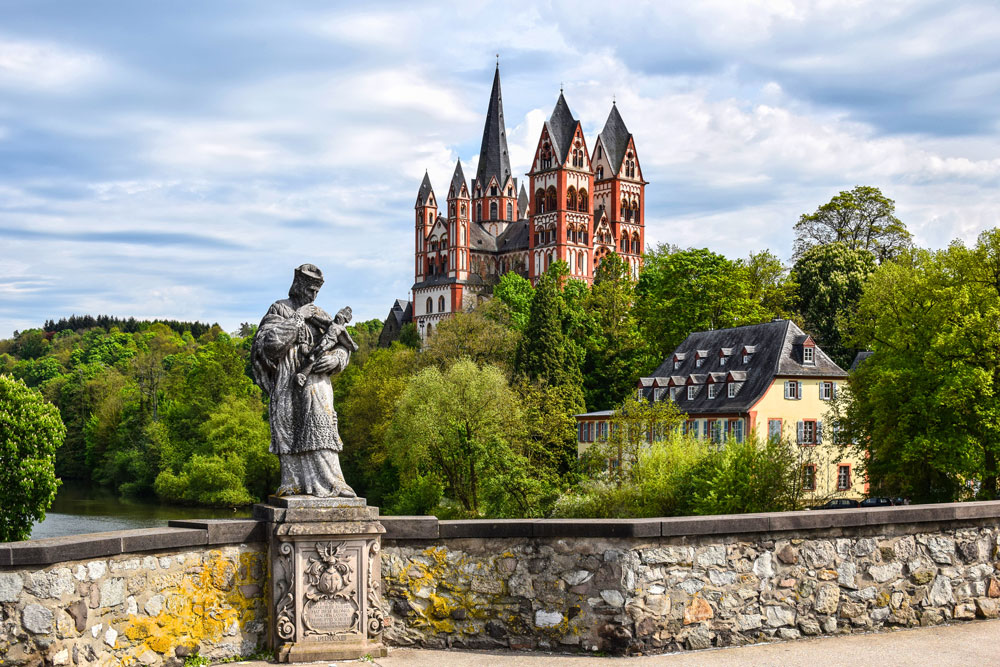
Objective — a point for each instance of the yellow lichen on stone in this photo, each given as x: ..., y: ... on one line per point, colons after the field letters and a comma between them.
x: 202, y: 605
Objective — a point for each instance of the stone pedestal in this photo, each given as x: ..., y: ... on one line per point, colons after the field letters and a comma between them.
x: 326, y: 600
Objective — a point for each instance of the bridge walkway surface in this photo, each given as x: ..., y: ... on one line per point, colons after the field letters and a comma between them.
x: 967, y: 644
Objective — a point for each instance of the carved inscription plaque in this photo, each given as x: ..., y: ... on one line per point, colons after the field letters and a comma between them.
x: 332, y: 616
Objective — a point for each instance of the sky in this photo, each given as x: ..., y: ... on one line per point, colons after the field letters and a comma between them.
x: 166, y: 160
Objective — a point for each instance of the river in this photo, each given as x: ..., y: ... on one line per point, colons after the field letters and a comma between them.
x: 81, y: 509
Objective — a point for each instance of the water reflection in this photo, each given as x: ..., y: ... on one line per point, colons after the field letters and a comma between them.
x: 80, y: 509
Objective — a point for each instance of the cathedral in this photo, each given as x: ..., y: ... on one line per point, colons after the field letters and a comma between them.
x: 579, y: 205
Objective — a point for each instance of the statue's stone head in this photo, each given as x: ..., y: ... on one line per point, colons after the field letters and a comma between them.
x: 306, y: 283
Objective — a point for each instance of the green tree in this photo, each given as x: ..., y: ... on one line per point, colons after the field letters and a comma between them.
x: 545, y: 351
x: 516, y: 293
x: 409, y: 336
x: 475, y: 335
x: 923, y: 410
x: 861, y: 218
x: 769, y: 283
x: 830, y: 280
x: 680, y: 292
x: 461, y: 426
x: 615, y: 352
x: 30, y: 433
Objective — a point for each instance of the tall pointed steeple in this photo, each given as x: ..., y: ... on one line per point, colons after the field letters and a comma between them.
x: 425, y: 191
x: 457, y: 181
x: 615, y: 137
x: 562, y: 127
x: 493, y: 157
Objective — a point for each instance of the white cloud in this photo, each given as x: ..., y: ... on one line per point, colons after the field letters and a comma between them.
x: 45, y: 66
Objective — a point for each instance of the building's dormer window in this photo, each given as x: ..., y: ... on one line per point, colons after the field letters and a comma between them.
x: 677, y: 364
x: 746, y: 358
x: 722, y: 361
x: 698, y: 363
x: 692, y: 391
x: 657, y: 394
x: 673, y: 393
x: 732, y: 389
x: 808, y: 354
x: 713, y: 390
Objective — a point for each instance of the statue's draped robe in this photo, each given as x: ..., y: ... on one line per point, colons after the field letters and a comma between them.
x: 303, y: 422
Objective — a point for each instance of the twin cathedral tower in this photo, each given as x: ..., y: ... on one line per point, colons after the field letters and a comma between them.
x: 580, y: 204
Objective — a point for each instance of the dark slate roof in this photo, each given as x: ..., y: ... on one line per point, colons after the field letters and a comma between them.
x: 493, y: 157
x: 480, y: 239
x: 515, y: 237
x: 425, y: 190
x: 457, y: 181
x: 614, y: 138
x: 522, y: 203
x: 562, y: 127
x: 861, y: 356
x: 402, y: 310
x: 776, y: 355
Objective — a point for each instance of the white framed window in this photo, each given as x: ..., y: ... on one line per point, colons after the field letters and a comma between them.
x: 807, y: 432
x: 722, y: 361
x: 826, y: 391
x: 692, y: 391
x: 774, y: 429
x: 843, y: 477
x: 698, y: 363
x: 793, y: 390
x: 673, y: 393
x: 746, y: 358
x: 738, y: 430
x: 732, y: 389
x: 677, y: 364
x: 657, y: 394
x: 808, y: 355
x: 713, y: 390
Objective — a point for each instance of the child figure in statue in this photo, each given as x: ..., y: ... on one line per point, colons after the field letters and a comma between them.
x: 336, y: 334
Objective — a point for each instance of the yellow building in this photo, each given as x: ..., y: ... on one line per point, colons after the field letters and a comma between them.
x: 769, y: 378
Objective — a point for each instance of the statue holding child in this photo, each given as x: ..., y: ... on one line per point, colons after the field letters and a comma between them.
x: 297, y: 349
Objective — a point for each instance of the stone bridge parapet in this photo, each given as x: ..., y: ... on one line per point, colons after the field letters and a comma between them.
x: 155, y: 596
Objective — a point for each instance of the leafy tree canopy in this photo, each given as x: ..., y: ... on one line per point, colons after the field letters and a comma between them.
x: 861, y: 218
x: 30, y: 433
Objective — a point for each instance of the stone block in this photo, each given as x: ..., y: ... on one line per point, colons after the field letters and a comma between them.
x: 816, y: 519
x: 225, y: 531
x: 410, y: 527
x: 315, y: 502
x: 486, y: 528
x: 11, y: 585
x: 36, y: 619
x: 151, y: 539
x: 597, y: 528
x: 723, y: 524
x: 59, y: 549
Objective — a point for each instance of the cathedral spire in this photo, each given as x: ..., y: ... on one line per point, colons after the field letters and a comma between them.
x: 493, y: 157
x: 425, y: 190
x: 615, y: 137
x: 457, y: 181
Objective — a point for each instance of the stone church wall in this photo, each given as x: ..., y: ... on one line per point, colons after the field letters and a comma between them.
x: 155, y: 596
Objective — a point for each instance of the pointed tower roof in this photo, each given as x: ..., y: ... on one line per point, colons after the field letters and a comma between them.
x: 561, y: 126
x: 425, y: 190
x: 457, y: 181
x: 522, y: 203
x: 614, y: 137
x: 493, y: 157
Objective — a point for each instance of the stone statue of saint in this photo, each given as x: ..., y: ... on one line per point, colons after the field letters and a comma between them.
x: 296, y: 351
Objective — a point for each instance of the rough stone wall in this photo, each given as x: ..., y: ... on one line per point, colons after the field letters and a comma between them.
x: 648, y: 595
x: 136, y: 609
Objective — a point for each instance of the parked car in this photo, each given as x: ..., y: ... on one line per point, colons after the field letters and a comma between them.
x: 877, y: 501
x: 838, y: 504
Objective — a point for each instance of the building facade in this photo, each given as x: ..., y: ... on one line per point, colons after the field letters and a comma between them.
x: 577, y: 207
x: 771, y: 379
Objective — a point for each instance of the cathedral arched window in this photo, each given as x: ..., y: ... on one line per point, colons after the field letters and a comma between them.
x: 430, y: 305
x: 479, y: 211
x: 493, y: 190
x: 463, y: 210
x: 635, y: 211
x: 430, y: 218
x: 571, y: 198
x: 635, y: 244
x: 569, y: 234
x: 625, y: 210
x: 461, y: 235
x: 441, y: 304
x: 598, y: 153
x: 493, y: 210
x: 510, y: 211
x: 539, y: 201
x: 582, y: 263
x: 582, y: 199
x: 600, y: 173
x: 550, y: 198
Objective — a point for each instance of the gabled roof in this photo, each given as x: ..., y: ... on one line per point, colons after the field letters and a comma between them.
x: 494, y: 160
x: 522, y: 203
x: 776, y: 352
x: 514, y: 237
x: 615, y: 137
x: 562, y: 127
x: 402, y: 311
x: 457, y: 181
x: 425, y: 191
x: 480, y: 239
